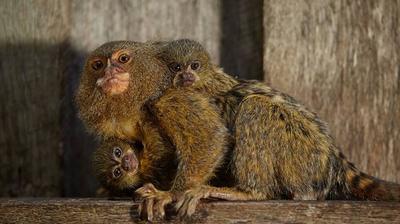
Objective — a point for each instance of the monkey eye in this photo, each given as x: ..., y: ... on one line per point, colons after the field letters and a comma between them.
x: 124, y: 58
x: 97, y: 65
x: 117, y: 152
x: 175, y: 67
x: 195, y: 65
x: 117, y: 173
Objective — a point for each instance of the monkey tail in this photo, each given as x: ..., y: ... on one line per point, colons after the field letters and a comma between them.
x: 362, y: 186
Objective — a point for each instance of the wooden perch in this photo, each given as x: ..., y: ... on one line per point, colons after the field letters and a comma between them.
x: 125, y: 211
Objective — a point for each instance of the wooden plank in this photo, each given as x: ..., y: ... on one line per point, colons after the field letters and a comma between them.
x: 341, y: 59
x: 242, y: 38
x: 32, y: 35
x: 106, y: 211
x: 96, y: 22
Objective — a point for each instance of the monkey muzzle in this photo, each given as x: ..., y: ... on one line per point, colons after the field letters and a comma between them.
x: 129, y: 162
x: 187, y: 79
x: 115, y: 80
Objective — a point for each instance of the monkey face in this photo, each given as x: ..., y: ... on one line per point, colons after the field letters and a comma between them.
x: 185, y: 74
x: 112, y: 72
x: 117, y: 80
x: 116, y: 164
x: 187, y: 60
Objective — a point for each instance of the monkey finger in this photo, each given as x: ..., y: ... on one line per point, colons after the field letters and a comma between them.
x: 148, y: 210
x: 180, y: 203
x: 192, y: 206
x: 182, y: 200
x: 145, y: 193
x: 182, y: 211
x: 142, y: 209
x: 160, y: 208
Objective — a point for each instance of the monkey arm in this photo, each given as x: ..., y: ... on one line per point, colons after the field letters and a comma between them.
x: 158, y: 160
x: 196, y: 130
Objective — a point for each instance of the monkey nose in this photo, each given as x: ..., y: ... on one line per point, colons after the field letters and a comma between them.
x: 187, y: 76
x: 128, y: 163
x: 112, y: 70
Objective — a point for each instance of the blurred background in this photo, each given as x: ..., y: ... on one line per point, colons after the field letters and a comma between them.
x: 341, y: 58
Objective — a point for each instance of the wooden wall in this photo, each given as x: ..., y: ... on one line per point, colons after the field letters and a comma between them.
x: 338, y: 57
x: 31, y: 38
x: 342, y: 59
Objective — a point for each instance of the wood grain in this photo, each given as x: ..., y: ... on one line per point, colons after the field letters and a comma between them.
x: 341, y: 58
x: 105, y: 211
x: 32, y: 34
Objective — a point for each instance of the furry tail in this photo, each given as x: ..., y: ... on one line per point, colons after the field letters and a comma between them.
x: 362, y: 186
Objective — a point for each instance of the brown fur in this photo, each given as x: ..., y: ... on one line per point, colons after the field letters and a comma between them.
x: 118, y: 116
x: 185, y: 116
x: 156, y: 156
x: 282, y: 150
x: 295, y: 154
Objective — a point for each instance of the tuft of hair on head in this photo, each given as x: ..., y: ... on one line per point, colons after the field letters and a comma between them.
x: 183, y: 50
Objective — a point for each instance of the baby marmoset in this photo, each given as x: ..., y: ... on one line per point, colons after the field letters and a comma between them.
x: 124, y: 80
x: 281, y: 148
x: 121, y: 165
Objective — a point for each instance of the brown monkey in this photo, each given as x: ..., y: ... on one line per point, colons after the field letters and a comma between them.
x: 124, y: 80
x: 281, y: 148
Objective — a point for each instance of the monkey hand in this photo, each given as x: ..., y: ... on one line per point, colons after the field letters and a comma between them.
x: 154, y: 202
x: 187, y: 204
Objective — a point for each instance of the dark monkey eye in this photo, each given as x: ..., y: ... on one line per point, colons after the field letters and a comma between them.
x: 175, y: 67
x: 117, y: 173
x: 195, y: 65
x: 97, y: 65
x: 124, y: 58
x: 117, y: 152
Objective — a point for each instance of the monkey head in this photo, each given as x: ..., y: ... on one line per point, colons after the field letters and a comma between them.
x: 188, y: 61
x: 116, y: 164
x: 115, y: 76
x: 117, y: 79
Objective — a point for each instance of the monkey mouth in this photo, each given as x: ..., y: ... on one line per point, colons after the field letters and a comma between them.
x: 114, y: 84
x: 187, y: 82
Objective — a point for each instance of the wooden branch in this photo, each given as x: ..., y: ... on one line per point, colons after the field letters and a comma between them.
x: 125, y: 211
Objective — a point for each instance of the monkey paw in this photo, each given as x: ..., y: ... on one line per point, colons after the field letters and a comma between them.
x: 187, y: 204
x: 154, y: 202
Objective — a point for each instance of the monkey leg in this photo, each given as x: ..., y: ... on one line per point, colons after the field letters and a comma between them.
x: 253, y: 164
x: 196, y: 130
x: 280, y: 149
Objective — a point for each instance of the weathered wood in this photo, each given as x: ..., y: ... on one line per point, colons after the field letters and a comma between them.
x: 341, y: 58
x: 105, y: 211
x: 242, y: 38
x: 95, y: 22
x: 32, y: 34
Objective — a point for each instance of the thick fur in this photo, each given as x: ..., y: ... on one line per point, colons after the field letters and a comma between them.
x: 282, y: 150
x: 186, y: 117
x: 156, y: 157
x: 196, y: 130
x: 118, y: 116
